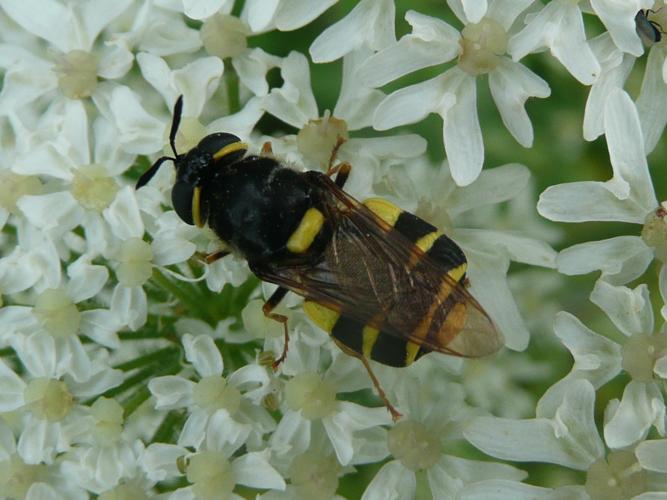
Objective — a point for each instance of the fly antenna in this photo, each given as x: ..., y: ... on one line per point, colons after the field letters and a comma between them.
x: 178, y: 110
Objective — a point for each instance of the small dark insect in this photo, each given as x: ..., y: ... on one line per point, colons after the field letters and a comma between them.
x: 384, y: 283
x: 648, y: 29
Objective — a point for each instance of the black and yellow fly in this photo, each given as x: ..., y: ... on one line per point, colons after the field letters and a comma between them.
x: 384, y: 283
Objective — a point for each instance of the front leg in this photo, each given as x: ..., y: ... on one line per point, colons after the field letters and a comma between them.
x: 267, y: 309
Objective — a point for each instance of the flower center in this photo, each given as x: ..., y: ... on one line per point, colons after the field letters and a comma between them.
x: 482, y: 44
x: 48, y: 399
x: 314, y: 475
x: 640, y: 352
x: 412, y: 444
x: 93, y: 188
x: 16, y: 477
x: 620, y: 476
x: 135, y: 259
x: 310, y: 394
x: 213, y: 393
x: 224, y: 36
x: 654, y: 232
x: 318, y: 138
x: 211, y: 475
x: 56, y: 313
x: 77, y: 73
x: 109, y: 421
x: 13, y: 186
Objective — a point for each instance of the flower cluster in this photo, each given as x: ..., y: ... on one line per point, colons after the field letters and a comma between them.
x: 131, y: 366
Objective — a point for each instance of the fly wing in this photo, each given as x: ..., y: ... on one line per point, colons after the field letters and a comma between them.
x: 369, y: 273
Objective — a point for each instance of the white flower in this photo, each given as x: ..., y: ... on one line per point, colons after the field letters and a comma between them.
x: 559, y: 27
x: 369, y: 25
x: 213, y: 394
x: 480, y: 48
x: 642, y: 353
x: 284, y: 15
x: 627, y: 197
x: 75, y: 63
x: 213, y: 470
x: 433, y: 415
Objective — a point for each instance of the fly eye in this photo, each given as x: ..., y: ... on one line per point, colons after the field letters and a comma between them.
x: 181, y: 198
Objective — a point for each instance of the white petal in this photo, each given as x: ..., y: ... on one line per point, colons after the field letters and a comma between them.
x: 259, y: 13
x: 101, y: 326
x: 241, y: 123
x: 294, y: 102
x: 488, y: 284
x: 392, y: 481
x: 630, y: 310
x: 615, y: 70
x: 511, y: 85
x: 432, y: 42
x: 652, y: 100
x: 493, y: 186
x: 500, y: 489
x: 641, y: 407
x: 51, y: 211
x: 160, y: 461
x: 254, y: 470
x: 225, y: 434
x: 293, y: 14
x: 194, y: 430
x: 619, y: 19
x: 171, y: 391
x: 626, y: 148
x: 621, y: 259
x: 201, y: 9
x: 26, y: 77
x: 558, y: 26
x: 172, y: 251
x: 462, y: 134
x: 570, y: 440
x: 37, y: 352
x: 652, y: 455
x: 370, y: 22
x: 411, y: 104
x: 292, y: 436
x: 96, y: 15
x: 587, y: 201
x: 34, y: 445
x: 86, y: 280
x: 129, y: 305
x: 116, y: 59
x: 12, y: 389
x: 204, y: 355
x: 474, y: 10
x: 60, y: 33
x: 139, y: 132
x: 123, y: 215
x: 663, y: 290
x: 505, y: 12
x: 471, y: 471
x: 519, y: 248
x: 252, y: 67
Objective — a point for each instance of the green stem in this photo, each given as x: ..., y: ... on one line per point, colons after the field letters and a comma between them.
x: 185, y: 297
x: 164, y: 354
x: 232, y: 83
x: 170, y: 426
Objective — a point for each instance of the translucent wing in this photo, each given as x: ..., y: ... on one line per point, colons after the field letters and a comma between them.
x: 380, y: 278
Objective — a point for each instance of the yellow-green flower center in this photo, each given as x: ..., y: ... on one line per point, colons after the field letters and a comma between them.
x: 56, y: 313
x: 77, y: 73
x: 214, y: 393
x: 136, y: 262
x: 14, y: 186
x: 211, y: 475
x: 314, y: 475
x: 310, y: 394
x: 482, y: 45
x: 49, y: 399
x: 93, y: 188
x: 412, y: 444
x: 109, y: 419
x: 16, y: 477
x: 224, y: 36
x: 617, y: 478
x: 654, y: 232
x: 640, y: 352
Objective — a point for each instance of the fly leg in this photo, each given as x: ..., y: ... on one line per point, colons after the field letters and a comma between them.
x: 267, y: 309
